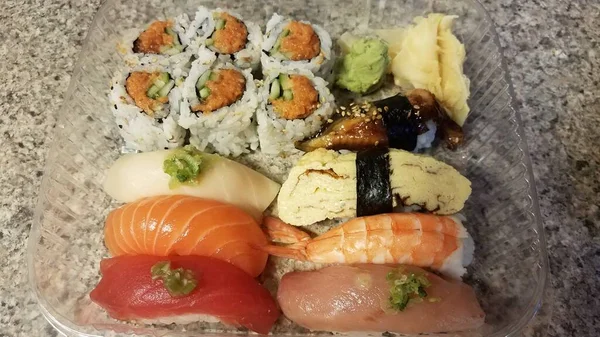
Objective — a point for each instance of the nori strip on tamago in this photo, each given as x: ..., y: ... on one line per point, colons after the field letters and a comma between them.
x: 401, y: 126
x: 373, y: 188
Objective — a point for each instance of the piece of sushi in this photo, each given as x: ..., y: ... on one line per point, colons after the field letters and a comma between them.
x: 183, y: 289
x: 323, y: 185
x: 162, y: 43
x: 184, y: 225
x: 145, y: 102
x: 410, y: 122
x: 378, y: 298
x: 187, y: 171
x: 227, y: 34
x: 218, y: 105
x: 294, y: 105
x: 299, y: 44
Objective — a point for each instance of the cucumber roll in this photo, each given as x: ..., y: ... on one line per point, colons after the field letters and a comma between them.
x: 145, y: 102
x: 228, y: 35
x: 161, y: 43
x: 299, y: 44
x: 294, y: 105
x: 219, y: 101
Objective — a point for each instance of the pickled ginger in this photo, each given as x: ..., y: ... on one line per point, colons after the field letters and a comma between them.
x: 431, y: 57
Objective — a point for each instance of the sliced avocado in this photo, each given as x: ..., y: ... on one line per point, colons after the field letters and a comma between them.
x: 203, y: 79
x: 164, y: 91
x: 153, y: 92
x: 220, y: 24
x: 204, y: 92
x: 287, y: 95
x: 277, y: 44
x: 161, y: 80
x: 275, y: 90
x: 284, y: 79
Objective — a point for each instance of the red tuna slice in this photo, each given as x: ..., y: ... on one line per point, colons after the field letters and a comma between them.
x: 127, y: 292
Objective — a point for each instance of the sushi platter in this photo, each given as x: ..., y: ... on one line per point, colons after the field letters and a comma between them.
x: 283, y: 177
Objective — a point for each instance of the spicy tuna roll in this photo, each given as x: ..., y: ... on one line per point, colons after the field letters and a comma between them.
x: 145, y: 101
x: 162, y: 43
x: 295, y: 105
x: 219, y: 101
x: 299, y: 44
x: 227, y: 34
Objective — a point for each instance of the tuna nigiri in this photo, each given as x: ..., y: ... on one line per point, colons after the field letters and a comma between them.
x: 183, y: 289
x: 378, y: 298
x: 184, y: 225
x: 188, y: 171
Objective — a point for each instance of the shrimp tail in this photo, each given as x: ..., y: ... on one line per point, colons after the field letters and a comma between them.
x: 295, y: 251
x: 279, y: 231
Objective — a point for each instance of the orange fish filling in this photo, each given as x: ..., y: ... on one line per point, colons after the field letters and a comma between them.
x: 304, y: 102
x: 154, y: 38
x: 137, y: 84
x: 302, y: 43
x: 227, y: 88
x: 232, y: 37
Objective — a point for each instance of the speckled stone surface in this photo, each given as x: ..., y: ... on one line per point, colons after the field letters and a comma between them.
x: 552, y: 51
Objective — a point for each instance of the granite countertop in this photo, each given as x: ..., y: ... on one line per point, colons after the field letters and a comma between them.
x: 551, y: 48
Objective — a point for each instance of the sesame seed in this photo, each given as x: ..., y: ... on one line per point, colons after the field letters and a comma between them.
x: 376, y: 143
x: 416, y: 107
x: 379, y: 117
x: 368, y: 119
x: 343, y: 108
x: 386, y: 108
x: 379, y: 109
x: 330, y: 120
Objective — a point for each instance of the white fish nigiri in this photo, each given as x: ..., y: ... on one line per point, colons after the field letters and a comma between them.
x: 139, y: 175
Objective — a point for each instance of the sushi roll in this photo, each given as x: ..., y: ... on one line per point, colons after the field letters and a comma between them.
x: 295, y: 105
x: 145, y: 102
x: 218, y: 104
x: 296, y: 43
x: 162, y: 43
x: 228, y: 35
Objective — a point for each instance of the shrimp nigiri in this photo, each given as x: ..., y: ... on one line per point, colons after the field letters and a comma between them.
x: 184, y: 225
x: 378, y: 298
x: 424, y: 240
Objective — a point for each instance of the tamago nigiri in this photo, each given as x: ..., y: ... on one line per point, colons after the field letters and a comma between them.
x: 184, y: 225
x: 191, y: 172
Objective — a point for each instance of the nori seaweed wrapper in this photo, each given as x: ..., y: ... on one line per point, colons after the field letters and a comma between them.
x: 402, y: 125
x: 373, y: 187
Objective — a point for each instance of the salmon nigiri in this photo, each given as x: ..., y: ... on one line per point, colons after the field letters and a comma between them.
x: 184, y: 225
x: 378, y: 298
x: 183, y: 289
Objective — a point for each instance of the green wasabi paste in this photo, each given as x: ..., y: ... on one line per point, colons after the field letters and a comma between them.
x: 362, y: 70
x: 178, y: 282
x: 184, y: 165
x: 406, y: 287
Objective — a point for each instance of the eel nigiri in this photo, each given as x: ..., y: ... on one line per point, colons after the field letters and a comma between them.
x: 190, y: 172
x: 184, y: 225
x: 183, y: 289
x: 378, y: 298
x: 424, y: 240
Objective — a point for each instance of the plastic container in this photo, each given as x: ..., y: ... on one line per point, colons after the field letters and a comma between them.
x: 66, y: 243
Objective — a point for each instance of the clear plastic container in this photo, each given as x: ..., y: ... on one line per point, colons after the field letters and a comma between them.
x: 510, y: 269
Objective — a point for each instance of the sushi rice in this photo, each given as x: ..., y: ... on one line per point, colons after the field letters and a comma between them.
x: 203, y: 26
x: 278, y: 135
x: 321, y: 65
x: 140, y: 131
x: 179, y: 62
x: 229, y: 130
